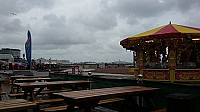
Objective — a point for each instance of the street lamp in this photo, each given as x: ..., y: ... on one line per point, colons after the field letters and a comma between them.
x: 140, y: 80
x: 89, y: 78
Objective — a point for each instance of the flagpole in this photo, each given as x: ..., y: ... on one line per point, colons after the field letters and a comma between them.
x: 30, y: 69
x: 30, y: 53
x: 30, y: 58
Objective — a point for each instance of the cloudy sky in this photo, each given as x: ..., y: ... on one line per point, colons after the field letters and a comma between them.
x: 87, y: 30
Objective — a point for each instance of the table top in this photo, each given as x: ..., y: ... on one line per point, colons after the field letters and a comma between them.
x: 40, y: 84
x: 16, y: 105
x: 85, y: 95
x: 33, y: 79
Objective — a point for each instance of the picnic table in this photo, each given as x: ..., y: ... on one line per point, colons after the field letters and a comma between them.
x: 16, y: 105
x: 21, y: 80
x: 88, y: 99
x: 30, y: 87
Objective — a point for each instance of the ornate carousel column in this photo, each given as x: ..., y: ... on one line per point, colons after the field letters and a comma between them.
x: 172, y: 59
x: 140, y: 54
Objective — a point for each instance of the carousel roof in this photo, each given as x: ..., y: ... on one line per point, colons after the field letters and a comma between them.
x: 170, y: 30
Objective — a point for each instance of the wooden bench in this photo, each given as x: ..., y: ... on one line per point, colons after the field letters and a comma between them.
x: 53, y: 109
x: 21, y: 94
x: 64, y: 107
x: 16, y: 105
x: 41, y: 102
x: 112, y: 100
x: 160, y: 110
x: 2, y: 93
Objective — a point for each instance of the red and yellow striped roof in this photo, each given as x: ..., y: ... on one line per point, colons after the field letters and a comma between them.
x: 168, y: 29
x: 163, y: 32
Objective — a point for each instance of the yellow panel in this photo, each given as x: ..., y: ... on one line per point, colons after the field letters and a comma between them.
x: 184, y: 29
x: 147, y: 33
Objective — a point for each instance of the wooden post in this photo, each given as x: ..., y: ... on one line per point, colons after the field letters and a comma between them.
x: 140, y: 54
x: 172, y: 59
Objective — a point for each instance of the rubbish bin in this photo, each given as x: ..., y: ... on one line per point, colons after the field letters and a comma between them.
x: 179, y: 102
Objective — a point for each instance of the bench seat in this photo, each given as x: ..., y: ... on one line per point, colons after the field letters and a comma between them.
x: 16, y: 105
x: 53, y: 109
x: 112, y: 100
x: 62, y: 108
x: 41, y: 102
x: 160, y: 110
x: 2, y: 93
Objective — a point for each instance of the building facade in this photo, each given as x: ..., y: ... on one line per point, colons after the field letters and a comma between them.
x: 9, y: 55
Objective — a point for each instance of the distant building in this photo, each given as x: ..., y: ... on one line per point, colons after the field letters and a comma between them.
x: 41, y: 60
x: 90, y: 65
x: 119, y: 62
x: 61, y: 61
x: 7, y: 58
x: 10, y: 55
x: 103, y: 65
x: 49, y: 61
x: 16, y: 53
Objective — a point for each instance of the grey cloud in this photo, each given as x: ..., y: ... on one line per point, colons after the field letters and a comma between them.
x: 151, y: 8
x: 54, y: 21
x: 57, y: 31
x: 49, y: 47
x: 21, y: 6
x: 13, y: 26
x: 11, y: 30
x: 141, y: 8
x: 133, y: 10
x: 186, y: 5
x: 46, y: 4
x: 96, y: 21
x: 7, y: 7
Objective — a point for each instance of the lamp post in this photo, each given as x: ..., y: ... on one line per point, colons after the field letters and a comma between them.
x: 89, y: 78
x: 49, y: 72
x: 140, y: 83
x: 140, y: 80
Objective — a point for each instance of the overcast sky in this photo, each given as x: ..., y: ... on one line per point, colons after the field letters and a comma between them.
x: 87, y: 30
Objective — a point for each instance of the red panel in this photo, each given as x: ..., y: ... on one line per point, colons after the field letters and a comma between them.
x: 167, y: 29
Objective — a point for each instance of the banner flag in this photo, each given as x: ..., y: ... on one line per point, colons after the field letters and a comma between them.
x: 28, y: 48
